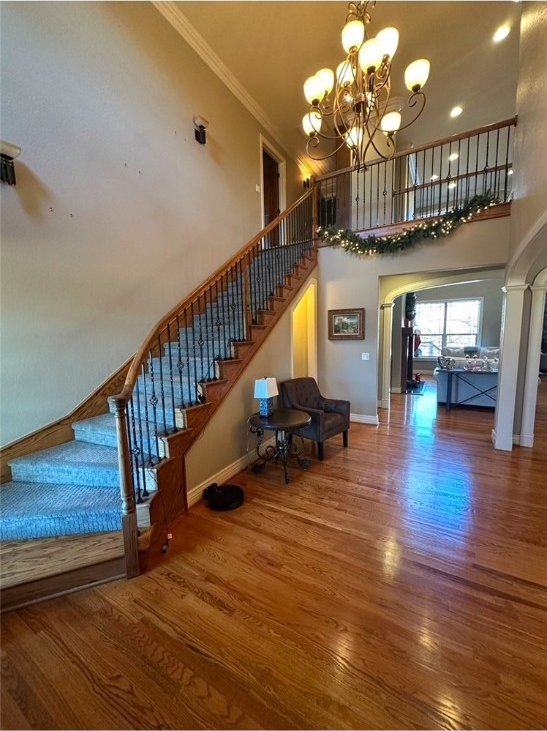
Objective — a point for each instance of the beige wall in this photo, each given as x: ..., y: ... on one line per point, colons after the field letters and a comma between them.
x: 227, y: 438
x: 347, y: 281
x: 118, y: 213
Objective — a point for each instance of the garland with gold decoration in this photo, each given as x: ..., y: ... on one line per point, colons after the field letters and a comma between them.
x: 408, y: 237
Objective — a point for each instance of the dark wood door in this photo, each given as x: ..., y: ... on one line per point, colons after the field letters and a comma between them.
x: 270, y: 188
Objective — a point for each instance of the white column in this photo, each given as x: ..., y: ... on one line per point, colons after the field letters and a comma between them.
x: 509, y: 365
x: 532, y: 366
x: 385, y: 349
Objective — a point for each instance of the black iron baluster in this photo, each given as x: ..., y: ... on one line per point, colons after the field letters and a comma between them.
x: 241, y: 297
x: 479, y: 137
x: 467, y: 170
x: 457, y: 188
x: 180, y: 364
x: 485, y: 185
x: 189, y: 349
x: 136, y: 446
x: 225, y: 324
x: 171, y: 375
x: 496, y: 165
x: 208, y: 320
x: 147, y: 427
x: 162, y: 390
x: 506, y: 183
x: 154, y: 402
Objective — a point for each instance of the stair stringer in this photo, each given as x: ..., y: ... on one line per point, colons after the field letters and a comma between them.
x: 170, y: 501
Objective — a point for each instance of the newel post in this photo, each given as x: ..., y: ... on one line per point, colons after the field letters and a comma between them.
x: 118, y: 407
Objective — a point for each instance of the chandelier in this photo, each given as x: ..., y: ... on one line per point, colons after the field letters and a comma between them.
x: 351, y: 105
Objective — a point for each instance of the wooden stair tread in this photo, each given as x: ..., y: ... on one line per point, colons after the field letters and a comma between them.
x: 25, y: 561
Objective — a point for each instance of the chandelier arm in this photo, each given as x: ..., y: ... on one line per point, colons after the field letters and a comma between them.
x: 412, y: 102
x: 324, y: 157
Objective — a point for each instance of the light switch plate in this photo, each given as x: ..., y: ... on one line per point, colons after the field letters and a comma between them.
x: 365, y: 356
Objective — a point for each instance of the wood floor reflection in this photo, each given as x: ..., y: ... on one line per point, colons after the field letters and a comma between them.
x: 398, y: 584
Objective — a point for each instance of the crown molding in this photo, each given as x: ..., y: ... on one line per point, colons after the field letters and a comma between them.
x: 178, y: 20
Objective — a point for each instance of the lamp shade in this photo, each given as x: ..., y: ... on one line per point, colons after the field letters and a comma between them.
x: 416, y: 74
x: 311, y: 123
x: 370, y: 55
x: 266, y: 388
x: 353, y: 35
x: 390, y: 122
x: 354, y: 137
x: 326, y: 77
x: 313, y: 90
x: 388, y: 39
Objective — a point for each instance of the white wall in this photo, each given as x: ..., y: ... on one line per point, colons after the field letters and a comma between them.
x: 118, y: 213
x: 348, y: 281
x: 530, y: 142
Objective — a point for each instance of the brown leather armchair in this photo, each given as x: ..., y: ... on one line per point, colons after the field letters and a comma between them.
x: 328, y: 416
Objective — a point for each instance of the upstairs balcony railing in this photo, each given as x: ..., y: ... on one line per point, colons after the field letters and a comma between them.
x: 424, y: 182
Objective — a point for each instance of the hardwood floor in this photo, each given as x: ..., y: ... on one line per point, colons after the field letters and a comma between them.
x: 398, y: 584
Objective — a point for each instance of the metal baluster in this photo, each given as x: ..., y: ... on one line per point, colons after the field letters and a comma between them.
x: 162, y: 391
x: 170, y: 356
x: 506, y: 183
x: 441, y: 178
x: 457, y: 188
x: 209, y: 315
x: 187, y: 315
x: 225, y: 324
x: 487, y: 166
x: 496, y: 180
x: 180, y: 364
x: 154, y: 402
x: 136, y: 446
x: 467, y: 170
x: 477, y: 162
x: 147, y: 427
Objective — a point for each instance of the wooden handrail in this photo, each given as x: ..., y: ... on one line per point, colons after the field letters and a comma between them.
x: 438, y: 143
x: 153, y: 334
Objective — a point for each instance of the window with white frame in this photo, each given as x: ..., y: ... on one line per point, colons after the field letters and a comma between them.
x: 446, y: 324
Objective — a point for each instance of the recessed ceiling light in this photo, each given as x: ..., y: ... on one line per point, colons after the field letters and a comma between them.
x: 434, y: 177
x: 453, y: 156
x: 451, y: 185
x: 501, y: 33
x: 510, y: 172
x: 456, y: 111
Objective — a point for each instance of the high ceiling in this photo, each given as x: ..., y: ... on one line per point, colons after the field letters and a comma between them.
x: 272, y: 47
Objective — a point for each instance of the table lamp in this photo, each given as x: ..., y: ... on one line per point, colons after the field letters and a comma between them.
x: 265, y: 390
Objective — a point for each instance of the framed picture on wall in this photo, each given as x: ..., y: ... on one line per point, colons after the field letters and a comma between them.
x: 347, y: 324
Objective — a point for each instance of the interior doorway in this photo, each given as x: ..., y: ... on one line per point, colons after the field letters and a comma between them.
x: 273, y: 186
x: 270, y: 186
x: 304, y: 334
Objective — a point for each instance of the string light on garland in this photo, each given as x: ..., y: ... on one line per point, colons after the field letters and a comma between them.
x: 408, y: 237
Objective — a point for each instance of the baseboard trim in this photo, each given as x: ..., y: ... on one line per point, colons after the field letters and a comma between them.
x: 527, y: 440
x: 196, y: 493
x: 364, y: 419
x: 395, y: 389
x: 517, y: 440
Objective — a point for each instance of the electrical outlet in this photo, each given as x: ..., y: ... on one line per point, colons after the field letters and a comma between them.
x: 365, y: 356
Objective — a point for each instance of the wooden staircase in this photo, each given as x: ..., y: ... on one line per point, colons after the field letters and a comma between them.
x: 33, y: 570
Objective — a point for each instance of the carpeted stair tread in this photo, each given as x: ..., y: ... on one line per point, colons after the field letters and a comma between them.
x: 97, y: 430
x: 77, y: 463
x: 38, y: 510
